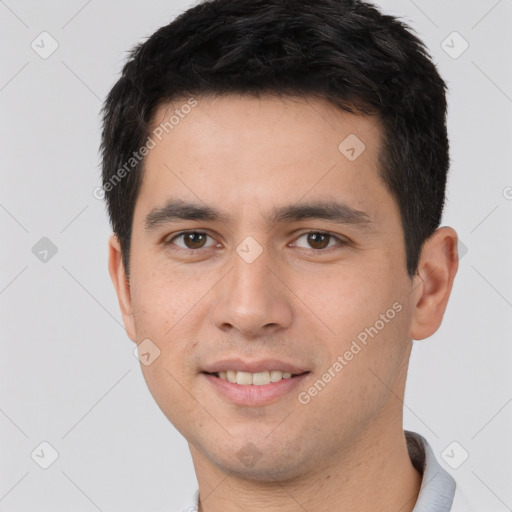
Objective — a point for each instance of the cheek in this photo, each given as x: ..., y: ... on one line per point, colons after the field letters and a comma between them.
x: 368, y: 314
x: 161, y: 307
x: 170, y: 308
x: 349, y: 299
x: 160, y: 298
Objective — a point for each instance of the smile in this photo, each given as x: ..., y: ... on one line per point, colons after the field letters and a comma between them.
x: 256, y: 379
x: 255, y: 389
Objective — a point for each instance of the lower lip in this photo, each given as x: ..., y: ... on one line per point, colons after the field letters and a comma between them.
x: 252, y: 395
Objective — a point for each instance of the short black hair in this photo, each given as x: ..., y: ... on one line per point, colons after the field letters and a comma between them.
x: 344, y: 51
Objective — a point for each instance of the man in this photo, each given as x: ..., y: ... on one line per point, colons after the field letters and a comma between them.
x: 275, y: 175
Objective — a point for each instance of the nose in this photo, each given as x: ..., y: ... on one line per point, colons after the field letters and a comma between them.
x: 252, y: 298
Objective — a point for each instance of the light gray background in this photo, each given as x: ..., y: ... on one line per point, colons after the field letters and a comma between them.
x: 68, y: 375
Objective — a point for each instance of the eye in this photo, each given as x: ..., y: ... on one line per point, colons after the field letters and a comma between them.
x: 191, y: 240
x: 318, y: 240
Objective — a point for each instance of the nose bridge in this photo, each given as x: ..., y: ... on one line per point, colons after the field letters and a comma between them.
x: 251, y: 299
x: 249, y: 283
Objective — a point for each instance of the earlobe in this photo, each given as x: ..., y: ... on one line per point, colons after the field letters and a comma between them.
x: 433, y: 283
x: 121, y: 284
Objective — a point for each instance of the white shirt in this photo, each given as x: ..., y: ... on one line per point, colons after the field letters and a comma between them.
x: 438, y: 492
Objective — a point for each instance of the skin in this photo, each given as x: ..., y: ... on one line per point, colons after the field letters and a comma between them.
x: 297, y: 302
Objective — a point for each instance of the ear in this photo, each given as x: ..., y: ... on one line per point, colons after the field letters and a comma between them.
x: 433, y: 282
x: 121, y: 284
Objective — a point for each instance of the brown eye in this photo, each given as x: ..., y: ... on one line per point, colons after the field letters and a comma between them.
x: 318, y: 240
x: 194, y: 240
x: 191, y: 240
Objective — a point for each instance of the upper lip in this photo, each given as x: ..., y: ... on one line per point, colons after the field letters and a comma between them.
x: 252, y: 366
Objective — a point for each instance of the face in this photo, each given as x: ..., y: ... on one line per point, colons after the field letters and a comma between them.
x: 265, y: 244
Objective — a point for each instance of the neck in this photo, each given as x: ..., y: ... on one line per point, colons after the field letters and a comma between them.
x: 375, y: 474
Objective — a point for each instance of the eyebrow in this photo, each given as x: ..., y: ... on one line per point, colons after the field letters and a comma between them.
x: 334, y: 211
x: 177, y: 209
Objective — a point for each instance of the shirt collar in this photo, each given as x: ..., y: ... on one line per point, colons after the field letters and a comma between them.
x: 437, y: 485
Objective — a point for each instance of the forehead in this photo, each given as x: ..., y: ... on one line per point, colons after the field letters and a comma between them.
x: 256, y: 150
x: 304, y: 124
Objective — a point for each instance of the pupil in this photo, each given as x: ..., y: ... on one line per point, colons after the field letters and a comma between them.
x: 318, y: 240
x: 195, y: 240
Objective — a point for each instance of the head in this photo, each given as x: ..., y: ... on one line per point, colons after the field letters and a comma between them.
x: 304, y: 151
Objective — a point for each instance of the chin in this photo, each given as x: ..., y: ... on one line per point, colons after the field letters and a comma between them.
x: 271, y: 463
x: 267, y: 469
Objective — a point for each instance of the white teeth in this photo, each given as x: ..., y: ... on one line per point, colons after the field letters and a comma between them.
x: 276, y: 375
x: 257, y: 379
x: 243, y: 378
x: 261, y: 378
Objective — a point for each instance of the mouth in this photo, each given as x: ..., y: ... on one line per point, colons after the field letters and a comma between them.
x: 255, y: 389
x: 255, y: 379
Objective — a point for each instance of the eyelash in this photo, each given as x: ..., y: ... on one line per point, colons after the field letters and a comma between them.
x: 341, y: 242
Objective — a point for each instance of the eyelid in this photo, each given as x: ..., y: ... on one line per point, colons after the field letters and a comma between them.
x: 169, y: 240
x: 342, y: 241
